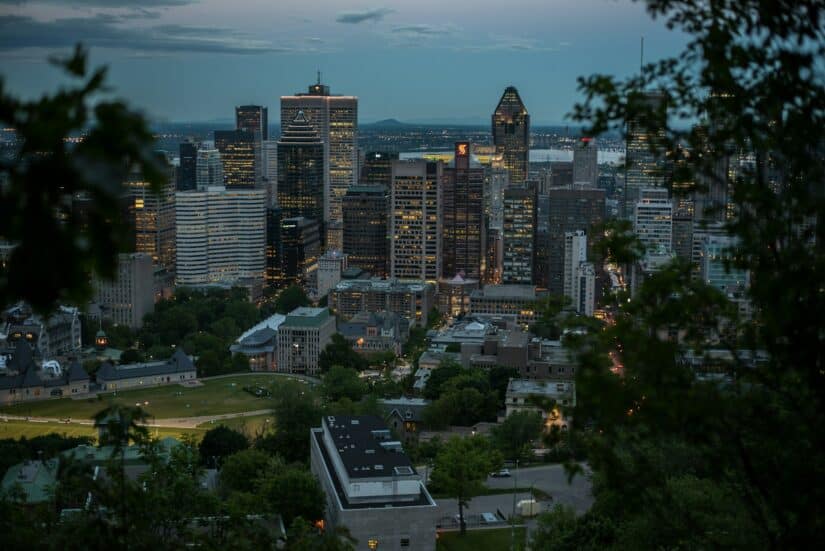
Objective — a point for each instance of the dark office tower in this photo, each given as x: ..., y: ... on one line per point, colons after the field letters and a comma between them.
x: 239, y: 156
x: 301, y: 170
x: 571, y: 210
x: 377, y: 168
x: 585, y: 162
x: 188, y: 169
x: 519, y: 235
x: 511, y: 134
x: 254, y: 119
x: 495, y: 256
x: 646, y: 151
x: 300, y: 249
x: 541, y: 255
x: 272, y: 276
x: 463, y: 235
x: 366, y: 211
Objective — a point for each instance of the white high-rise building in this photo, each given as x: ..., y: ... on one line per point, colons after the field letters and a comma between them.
x: 335, y: 118
x: 209, y: 169
x: 415, y: 220
x: 584, y: 296
x: 330, y: 267
x: 269, y: 159
x: 575, y: 252
x: 653, y: 220
x: 586, y: 163
x: 221, y: 235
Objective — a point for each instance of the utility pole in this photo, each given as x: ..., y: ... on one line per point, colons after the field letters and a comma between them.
x: 513, y: 514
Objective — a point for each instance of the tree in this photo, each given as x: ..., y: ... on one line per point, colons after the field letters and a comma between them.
x: 499, y: 378
x: 56, y: 247
x: 461, y: 406
x: 548, y: 324
x: 342, y: 382
x: 241, y: 470
x: 339, y: 352
x: 750, y: 75
x: 291, y: 298
x: 514, y: 436
x: 303, y: 536
x: 461, y: 467
x: 220, y: 443
x: 131, y: 356
x: 293, y: 492
x: 445, y: 371
x: 296, y: 412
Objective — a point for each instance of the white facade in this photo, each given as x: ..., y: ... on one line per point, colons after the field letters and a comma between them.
x: 330, y: 266
x: 269, y: 159
x: 302, y: 337
x: 415, y: 220
x: 208, y: 168
x: 221, y: 235
x: 575, y: 252
x: 653, y: 220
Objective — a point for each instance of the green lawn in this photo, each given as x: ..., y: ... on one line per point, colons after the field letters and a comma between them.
x: 496, y: 539
x: 250, y: 426
x: 18, y: 429
x: 216, y: 396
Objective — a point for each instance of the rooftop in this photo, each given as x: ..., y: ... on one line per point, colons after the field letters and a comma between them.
x: 524, y: 292
x: 305, y: 316
x: 366, y: 447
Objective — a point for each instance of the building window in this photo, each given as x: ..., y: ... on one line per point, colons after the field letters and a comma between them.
x: 405, y: 541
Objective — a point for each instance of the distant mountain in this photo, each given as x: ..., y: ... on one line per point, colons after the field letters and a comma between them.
x: 387, y: 123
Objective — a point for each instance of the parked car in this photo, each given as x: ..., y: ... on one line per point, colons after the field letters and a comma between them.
x: 503, y: 473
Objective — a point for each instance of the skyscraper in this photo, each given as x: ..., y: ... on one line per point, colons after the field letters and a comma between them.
x: 645, y: 152
x: 366, y: 243
x: 254, y: 119
x: 153, y: 218
x: 300, y: 249
x: 415, y: 220
x: 335, y: 118
x: 240, y: 155
x: 653, y: 220
x: 187, y: 169
x: 585, y: 163
x: 519, y: 234
x: 575, y: 252
x: 221, y: 235
x: 463, y: 229
x: 300, y: 171
x: 570, y: 210
x: 511, y: 134
x: 209, y: 168
x: 377, y: 168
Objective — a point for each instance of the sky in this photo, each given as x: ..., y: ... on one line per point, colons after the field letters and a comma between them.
x: 412, y: 60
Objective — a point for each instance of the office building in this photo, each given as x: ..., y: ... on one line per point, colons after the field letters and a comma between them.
x: 575, y: 252
x: 371, y: 486
x: 221, y: 236
x: 331, y: 265
x: 187, y: 168
x: 377, y: 168
x: 454, y: 295
x: 241, y: 159
x: 269, y: 172
x: 653, y: 220
x: 570, y: 210
x: 302, y: 336
x: 300, y: 247
x: 717, y: 251
x: 366, y: 210
x: 541, y: 243
x: 645, y: 149
x: 335, y: 119
x: 153, y: 219
x: 301, y: 171
x: 463, y: 222
x: 518, y: 236
x: 510, y: 302
x: 415, y: 220
x: 126, y: 299
x: 511, y: 134
x: 496, y: 180
x: 253, y: 119
x: 209, y: 169
x: 411, y: 299
x: 586, y: 163
x: 272, y: 277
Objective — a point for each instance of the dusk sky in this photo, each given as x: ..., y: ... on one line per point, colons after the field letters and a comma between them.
x: 414, y: 60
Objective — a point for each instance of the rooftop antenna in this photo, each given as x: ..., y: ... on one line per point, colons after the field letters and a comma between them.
x: 642, y: 56
x: 319, y: 77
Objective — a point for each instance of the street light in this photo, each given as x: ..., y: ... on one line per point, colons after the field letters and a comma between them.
x: 513, y: 515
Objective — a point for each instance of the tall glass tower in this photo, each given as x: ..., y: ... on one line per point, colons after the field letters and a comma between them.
x: 511, y: 134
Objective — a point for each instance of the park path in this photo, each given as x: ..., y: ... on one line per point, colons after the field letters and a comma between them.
x: 175, y: 422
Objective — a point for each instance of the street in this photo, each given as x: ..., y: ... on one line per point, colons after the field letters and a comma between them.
x: 553, y: 480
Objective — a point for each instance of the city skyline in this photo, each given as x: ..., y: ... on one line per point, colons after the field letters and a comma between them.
x: 163, y: 55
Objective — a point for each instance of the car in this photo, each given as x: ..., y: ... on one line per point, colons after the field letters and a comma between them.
x: 503, y: 473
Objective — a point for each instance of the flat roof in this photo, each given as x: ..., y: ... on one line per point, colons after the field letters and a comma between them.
x: 366, y: 447
x: 505, y: 291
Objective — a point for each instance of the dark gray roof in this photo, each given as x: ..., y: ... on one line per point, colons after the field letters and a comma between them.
x: 178, y: 363
x: 366, y: 446
x: 29, y: 374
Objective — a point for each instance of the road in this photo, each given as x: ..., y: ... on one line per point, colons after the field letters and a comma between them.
x: 177, y: 423
x: 551, y: 479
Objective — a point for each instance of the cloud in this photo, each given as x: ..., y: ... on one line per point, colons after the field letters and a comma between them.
x: 499, y: 43
x: 425, y: 30
x: 109, y: 3
x: 355, y: 17
x: 104, y: 31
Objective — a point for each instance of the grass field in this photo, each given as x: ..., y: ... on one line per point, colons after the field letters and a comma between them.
x: 29, y: 429
x: 497, y: 539
x: 250, y: 426
x: 215, y: 397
